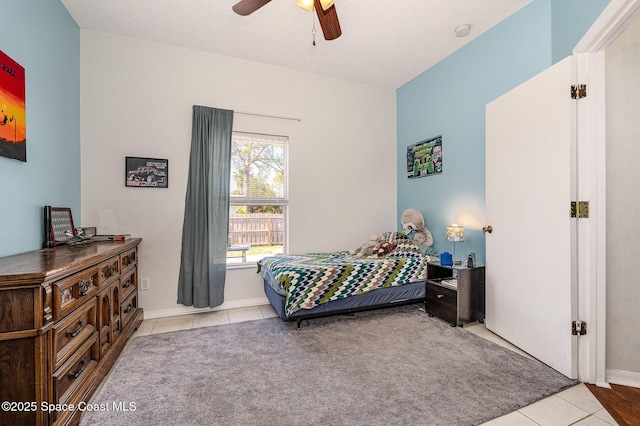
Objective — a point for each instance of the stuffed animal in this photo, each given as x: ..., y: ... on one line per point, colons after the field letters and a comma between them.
x: 384, y: 248
x: 413, y: 222
x: 370, y: 246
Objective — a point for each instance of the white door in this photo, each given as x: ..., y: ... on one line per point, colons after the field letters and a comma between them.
x: 530, y: 164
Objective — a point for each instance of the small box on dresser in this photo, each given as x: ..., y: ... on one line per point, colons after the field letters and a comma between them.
x: 65, y: 315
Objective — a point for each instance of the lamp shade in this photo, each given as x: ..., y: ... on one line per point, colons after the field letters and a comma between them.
x: 308, y: 4
x: 305, y: 4
x: 455, y: 233
x: 326, y: 4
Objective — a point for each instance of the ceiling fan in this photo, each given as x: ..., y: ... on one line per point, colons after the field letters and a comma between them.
x: 325, y: 10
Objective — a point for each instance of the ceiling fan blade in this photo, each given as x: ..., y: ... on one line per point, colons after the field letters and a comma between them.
x: 247, y: 7
x: 328, y: 21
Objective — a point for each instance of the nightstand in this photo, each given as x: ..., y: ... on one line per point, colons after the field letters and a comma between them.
x: 455, y: 293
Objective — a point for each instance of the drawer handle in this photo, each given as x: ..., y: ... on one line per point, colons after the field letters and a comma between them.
x: 75, y: 333
x: 84, y: 287
x: 77, y: 373
x: 112, y: 270
x: 440, y: 296
x: 127, y: 283
x: 130, y: 259
x: 129, y: 307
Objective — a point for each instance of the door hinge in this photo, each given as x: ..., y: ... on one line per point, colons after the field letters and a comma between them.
x: 578, y: 91
x: 578, y: 328
x: 579, y: 209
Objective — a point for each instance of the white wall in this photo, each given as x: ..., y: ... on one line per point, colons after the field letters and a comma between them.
x: 136, y: 100
x: 623, y: 204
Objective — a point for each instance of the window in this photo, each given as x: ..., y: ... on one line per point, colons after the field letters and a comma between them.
x: 258, y: 197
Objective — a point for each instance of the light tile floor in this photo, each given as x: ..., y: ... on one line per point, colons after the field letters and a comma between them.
x: 574, y: 406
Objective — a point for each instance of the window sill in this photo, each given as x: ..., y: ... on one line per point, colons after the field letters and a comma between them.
x: 231, y: 266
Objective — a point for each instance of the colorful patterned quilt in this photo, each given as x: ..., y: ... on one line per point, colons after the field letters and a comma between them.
x: 311, y: 279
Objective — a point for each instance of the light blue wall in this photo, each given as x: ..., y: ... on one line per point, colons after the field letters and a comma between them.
x: 570, y: 19
x: 449, y: 99
x: 43, y: 38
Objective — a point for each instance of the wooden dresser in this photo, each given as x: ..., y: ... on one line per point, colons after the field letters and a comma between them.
x: 65, y: 316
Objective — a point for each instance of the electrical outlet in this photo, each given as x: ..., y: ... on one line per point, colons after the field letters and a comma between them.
x: 144, y: 283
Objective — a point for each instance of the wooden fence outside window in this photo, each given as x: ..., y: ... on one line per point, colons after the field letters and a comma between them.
x: 256, y: 229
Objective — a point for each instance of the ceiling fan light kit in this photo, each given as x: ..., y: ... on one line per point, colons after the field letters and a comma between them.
x: 305, y: 4
x: 325, y: 10
x: 308, y: 4
x: 326, y: 4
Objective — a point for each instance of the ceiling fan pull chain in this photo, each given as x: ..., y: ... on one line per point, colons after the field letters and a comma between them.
x: 313, y: 30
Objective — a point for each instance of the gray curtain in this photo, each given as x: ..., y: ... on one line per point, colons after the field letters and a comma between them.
x: 205, y: 232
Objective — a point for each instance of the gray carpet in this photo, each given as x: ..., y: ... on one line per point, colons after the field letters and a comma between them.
x: 388, y: 367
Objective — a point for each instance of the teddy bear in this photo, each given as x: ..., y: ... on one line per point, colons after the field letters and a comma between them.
x: 384, y: 248
x: 413, y: 222
x: 370, y: 246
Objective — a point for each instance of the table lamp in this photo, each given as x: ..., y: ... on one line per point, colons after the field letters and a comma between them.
x: 455, y: 233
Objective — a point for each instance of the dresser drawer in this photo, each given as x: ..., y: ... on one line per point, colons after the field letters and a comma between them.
x: 109, y: 271
x: 73, y: 373
x: 442, y: 303
x: 128, y: 308
x: 128, y: 283
x: 70, y: 293
x: 72, y: 331
x: 128, y: 259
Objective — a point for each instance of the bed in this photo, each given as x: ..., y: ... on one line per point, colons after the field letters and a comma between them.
x: 310, y: 285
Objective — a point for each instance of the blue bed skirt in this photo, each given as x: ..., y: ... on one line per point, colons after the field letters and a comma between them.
x: 381, y: 297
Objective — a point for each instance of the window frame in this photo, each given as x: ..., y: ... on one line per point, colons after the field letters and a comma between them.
x: 238, y: 201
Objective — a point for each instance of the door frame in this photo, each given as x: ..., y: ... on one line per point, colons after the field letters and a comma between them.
x: 591, y: 132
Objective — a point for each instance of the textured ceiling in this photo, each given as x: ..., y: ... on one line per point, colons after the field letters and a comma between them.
x: 384, y: 42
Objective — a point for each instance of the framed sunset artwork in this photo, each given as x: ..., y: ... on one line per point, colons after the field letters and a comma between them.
x: 13, y: 124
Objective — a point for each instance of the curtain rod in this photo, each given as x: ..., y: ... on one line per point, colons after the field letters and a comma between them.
x: 268, y: 116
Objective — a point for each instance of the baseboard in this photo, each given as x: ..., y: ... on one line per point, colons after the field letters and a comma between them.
x: 188, y: 310
x: 621, y: 377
